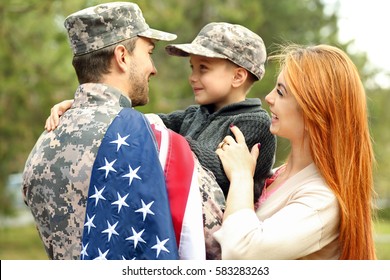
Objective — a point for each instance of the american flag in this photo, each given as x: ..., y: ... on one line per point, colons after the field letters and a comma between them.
x: 138, y: 205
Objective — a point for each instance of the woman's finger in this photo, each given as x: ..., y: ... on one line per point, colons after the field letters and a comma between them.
x: 238, y: 134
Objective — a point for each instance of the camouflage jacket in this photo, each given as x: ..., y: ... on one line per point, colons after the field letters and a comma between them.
x: 57, y: 174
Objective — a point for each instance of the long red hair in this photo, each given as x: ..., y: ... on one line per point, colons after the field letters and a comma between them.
x: 327, y: 86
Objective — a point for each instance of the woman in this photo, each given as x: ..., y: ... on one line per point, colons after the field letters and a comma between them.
x: 318, y: 204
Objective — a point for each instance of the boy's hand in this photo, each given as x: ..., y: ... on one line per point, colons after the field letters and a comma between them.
x: 56, y: 112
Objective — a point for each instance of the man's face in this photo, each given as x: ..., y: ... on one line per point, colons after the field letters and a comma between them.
x: 141, y: 68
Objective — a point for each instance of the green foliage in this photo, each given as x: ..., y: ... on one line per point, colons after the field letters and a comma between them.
x: 379, y: 102
x: 384, y: 215
x: 36, y: 71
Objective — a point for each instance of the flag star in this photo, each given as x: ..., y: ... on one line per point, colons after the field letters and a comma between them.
x: 123, y: 258
x: 132, y: 174
x: 98, y: 195
x: 136, y: 237
x: 121, y: 201
x: 84, y: 251
x: 108, y: 167
x: 120, y: 141
x: 110, y: 230
x: 89, y: 223
x: 145, y: 209
x: 160, y: 246
x: 102, y: 256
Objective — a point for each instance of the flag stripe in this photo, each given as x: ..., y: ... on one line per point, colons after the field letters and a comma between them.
x: 183, y: 192
x: 162, y: 137
x: 192, y: 240
x: 178, y: 168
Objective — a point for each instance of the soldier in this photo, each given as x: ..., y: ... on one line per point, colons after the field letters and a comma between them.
x: 105, y: 158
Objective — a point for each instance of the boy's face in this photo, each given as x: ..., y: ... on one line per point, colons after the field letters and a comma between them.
x: 211, y: 80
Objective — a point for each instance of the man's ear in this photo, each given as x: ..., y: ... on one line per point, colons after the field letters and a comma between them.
x: 121, y: 57
x: 240, y: 76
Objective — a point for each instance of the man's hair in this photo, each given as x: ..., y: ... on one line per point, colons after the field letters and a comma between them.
x: 92, y: 66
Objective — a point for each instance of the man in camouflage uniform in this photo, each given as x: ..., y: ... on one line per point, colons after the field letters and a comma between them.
x: 112, y: 45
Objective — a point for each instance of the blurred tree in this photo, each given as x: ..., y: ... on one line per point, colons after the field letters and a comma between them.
x: 379, y: 104
x: 36, y: 70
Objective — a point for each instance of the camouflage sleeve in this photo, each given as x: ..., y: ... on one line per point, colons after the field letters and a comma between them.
x: 213, y: 206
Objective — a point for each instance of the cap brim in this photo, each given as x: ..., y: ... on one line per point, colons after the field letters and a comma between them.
x: 158, y: 35
x: 187, y: 49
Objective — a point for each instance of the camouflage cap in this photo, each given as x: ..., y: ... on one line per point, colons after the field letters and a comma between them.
x: 103, y: 25
x: 230, y: 41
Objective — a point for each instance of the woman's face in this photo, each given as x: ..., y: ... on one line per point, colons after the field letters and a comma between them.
x: 287, y: 117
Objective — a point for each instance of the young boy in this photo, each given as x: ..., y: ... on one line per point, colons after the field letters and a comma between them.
x: 226, y: 60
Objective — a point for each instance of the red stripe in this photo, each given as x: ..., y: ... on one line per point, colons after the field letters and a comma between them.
x: 179, y: 169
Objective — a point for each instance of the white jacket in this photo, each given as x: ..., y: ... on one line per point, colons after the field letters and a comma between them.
x: 299, y: 220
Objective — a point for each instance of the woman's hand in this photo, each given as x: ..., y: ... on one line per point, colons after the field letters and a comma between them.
x: 239, y: 164
x: 56, y: 112
x: 235, y: 156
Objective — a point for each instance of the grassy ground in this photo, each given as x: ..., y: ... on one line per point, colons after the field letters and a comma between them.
x: 382, y: 240
x: 23, y: 243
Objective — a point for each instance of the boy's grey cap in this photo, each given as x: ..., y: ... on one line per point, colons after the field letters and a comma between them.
x: 103, y: 25
x: 230, y: 41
